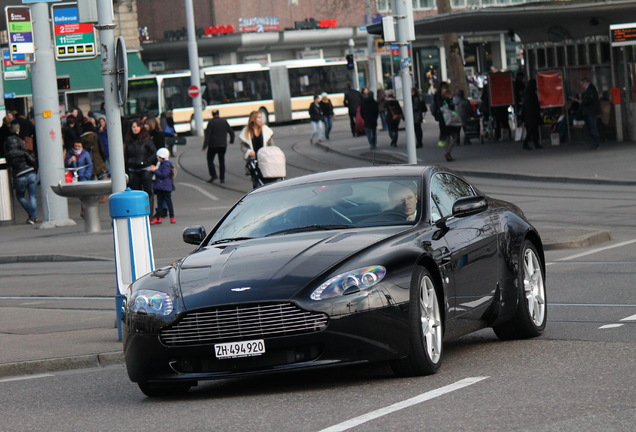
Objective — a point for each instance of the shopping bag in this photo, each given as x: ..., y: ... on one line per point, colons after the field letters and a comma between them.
x: 520, y: 133
x: 451, y: 117
x: 555, y: 139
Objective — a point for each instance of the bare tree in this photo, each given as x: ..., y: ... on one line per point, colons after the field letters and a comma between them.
x: 453, y: 53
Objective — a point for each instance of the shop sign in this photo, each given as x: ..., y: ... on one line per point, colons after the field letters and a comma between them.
x: 259, y: 24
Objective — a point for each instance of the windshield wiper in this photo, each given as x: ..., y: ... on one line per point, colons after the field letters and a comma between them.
x: 311, y: 228
x: 229, y: 240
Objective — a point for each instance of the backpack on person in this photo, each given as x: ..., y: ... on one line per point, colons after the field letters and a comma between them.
x: 173, y: 171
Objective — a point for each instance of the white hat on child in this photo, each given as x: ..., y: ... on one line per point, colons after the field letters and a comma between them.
x: 163, y: 153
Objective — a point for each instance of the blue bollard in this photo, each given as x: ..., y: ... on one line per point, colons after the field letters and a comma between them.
x: 133, y: 244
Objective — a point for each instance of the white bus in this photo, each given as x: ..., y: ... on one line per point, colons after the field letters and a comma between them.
x: 282, y: 91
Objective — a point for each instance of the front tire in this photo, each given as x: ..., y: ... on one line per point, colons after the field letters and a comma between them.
x: 531, y: 315
x: 425, y: 329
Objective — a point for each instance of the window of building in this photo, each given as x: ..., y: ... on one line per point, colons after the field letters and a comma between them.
x: 541, y: 61
x: 383, y: 5
x: 605, y: 52
x: 560, y: 54
x: 571, y: 55
x: 424, y: 4
x: 550, y: 56
x: 593, y: 53
x: 582, y: 54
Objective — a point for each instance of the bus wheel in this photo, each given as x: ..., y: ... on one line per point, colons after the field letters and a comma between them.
x: 265, y: 114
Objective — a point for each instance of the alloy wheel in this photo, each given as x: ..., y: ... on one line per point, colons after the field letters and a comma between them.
x: 533, y: 287
x: 431, y: 319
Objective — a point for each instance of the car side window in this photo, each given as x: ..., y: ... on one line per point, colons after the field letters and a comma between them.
x: 445, y: 190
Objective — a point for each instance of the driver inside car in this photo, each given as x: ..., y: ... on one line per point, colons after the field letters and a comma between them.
x: 403, y: 199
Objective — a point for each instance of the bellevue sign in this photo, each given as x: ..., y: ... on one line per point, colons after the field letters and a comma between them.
x: 73, y: 40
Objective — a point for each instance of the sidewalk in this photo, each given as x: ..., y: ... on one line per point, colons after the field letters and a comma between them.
x: 31, y: 346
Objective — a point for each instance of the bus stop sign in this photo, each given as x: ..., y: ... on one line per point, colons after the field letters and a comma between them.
x: 193, y: 91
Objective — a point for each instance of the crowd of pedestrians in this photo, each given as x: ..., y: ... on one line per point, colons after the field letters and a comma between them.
x: 85, y: 140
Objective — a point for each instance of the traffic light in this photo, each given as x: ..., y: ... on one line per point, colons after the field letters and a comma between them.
x: 349, y: 58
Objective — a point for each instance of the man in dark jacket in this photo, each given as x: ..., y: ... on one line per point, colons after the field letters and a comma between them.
x: 352, y: 101
x: 215, y: 142
x: 24, y: 175
x: 369, y: 112
x: 590, y: 109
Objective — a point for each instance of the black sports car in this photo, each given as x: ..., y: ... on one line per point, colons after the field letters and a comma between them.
x: 342, y: 267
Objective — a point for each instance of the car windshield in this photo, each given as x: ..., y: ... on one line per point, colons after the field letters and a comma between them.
x: 341, y: 204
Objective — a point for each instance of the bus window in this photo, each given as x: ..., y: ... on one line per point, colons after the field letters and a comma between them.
x: 142, y: 98
x: 173, y: 93
x: 308, y: 81
x: 224, y: 88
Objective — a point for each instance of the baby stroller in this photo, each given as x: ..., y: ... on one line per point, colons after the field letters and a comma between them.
x: 269, y: 167
x: 472, y: 129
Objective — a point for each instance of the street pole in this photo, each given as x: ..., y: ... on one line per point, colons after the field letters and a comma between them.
x: 48, y: 129
x: 401, y: 12
x: 373, y: 87
x: 193, y: 57
x: 3, y: 109
x: 106, y: 28
x: 355, y: 82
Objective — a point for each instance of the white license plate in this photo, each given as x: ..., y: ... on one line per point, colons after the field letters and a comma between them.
x: 240, y: 349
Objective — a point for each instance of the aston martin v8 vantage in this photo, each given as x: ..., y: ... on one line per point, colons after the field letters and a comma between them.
x: 342, y: 267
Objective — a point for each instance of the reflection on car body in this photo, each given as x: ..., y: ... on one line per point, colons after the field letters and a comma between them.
x: 332, y: 269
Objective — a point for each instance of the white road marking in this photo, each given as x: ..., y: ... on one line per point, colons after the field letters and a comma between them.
x: 629, y: 318
x: 609, y: 326
x: 26, y: 377
x: 356, y: 421
x: 200, y: 189
x: 593, y: 251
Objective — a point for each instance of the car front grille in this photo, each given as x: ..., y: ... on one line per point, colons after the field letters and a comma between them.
x: 242, y: 322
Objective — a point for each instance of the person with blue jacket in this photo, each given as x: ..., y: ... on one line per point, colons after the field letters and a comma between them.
x: 163, y: 185
x: 80, y: 161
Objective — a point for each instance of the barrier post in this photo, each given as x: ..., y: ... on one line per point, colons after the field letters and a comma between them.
x: 133, y: 244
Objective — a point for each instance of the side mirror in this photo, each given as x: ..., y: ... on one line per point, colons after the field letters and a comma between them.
x: 469, y: 206
x: 194, y: 235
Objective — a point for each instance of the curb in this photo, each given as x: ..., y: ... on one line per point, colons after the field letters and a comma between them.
x: 580, y: 241
x: 386, y: 156
x: 32, y: 367
x: 10, y: 259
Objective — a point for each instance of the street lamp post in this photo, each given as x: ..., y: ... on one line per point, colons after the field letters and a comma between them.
x: 193, y: 57
x: 355, y: 81
x: 405, y: 17
x: 47, y: 121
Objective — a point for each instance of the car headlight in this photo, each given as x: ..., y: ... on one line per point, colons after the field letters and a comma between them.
x: 349, y: 282
x: 151, y: 302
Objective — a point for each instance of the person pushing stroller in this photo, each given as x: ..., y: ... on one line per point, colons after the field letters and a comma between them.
x: 265, y: 162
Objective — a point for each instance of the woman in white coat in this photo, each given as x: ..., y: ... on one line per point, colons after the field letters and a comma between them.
x: 255, y: 135
x: 265, y: 162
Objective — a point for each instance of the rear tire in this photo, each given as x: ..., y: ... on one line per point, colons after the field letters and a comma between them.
x: 531, y: 315
x: 425, y: 329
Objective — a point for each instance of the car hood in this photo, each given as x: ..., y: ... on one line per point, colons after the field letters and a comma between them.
x: 268, y: 269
